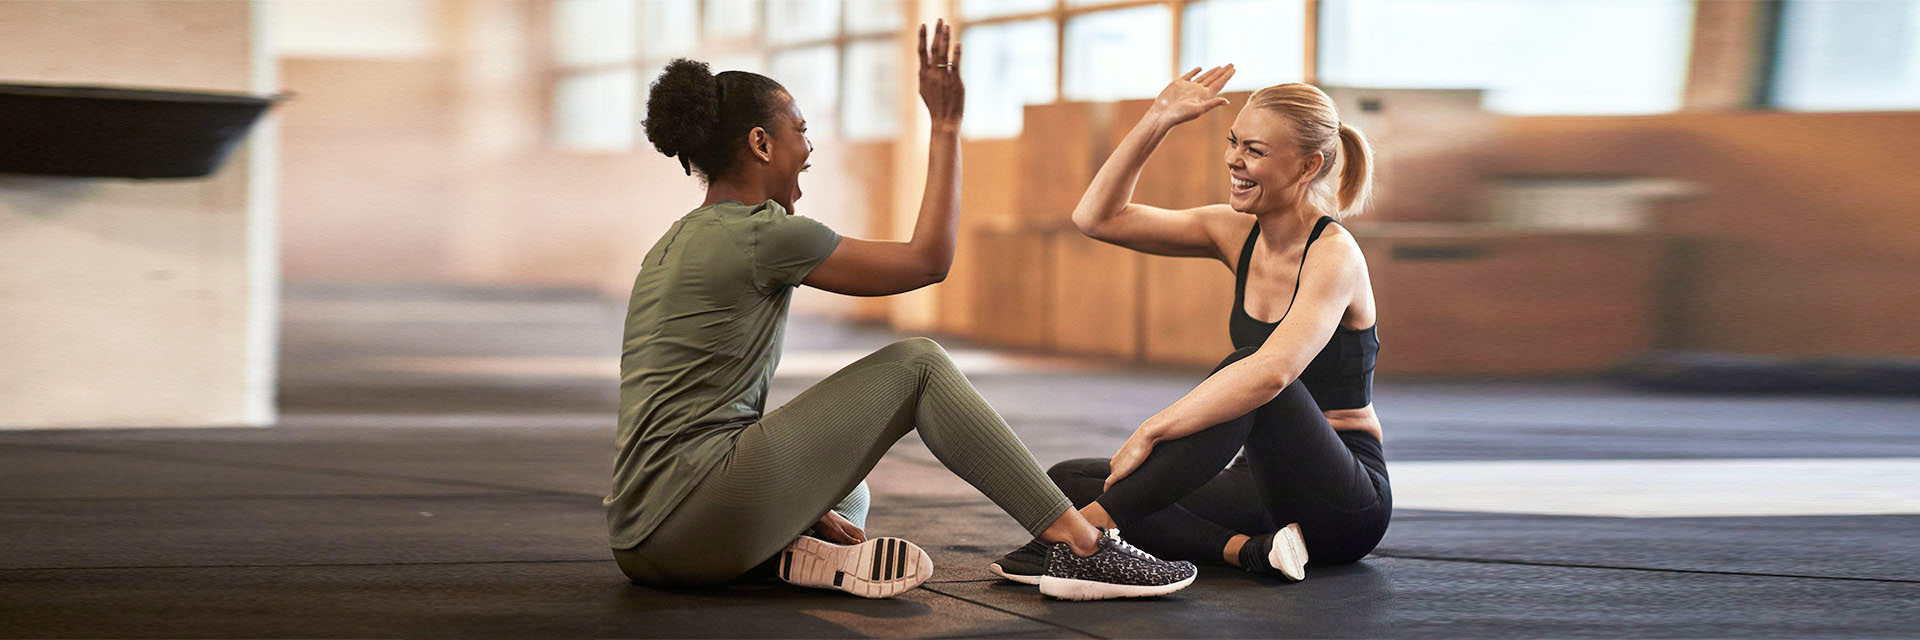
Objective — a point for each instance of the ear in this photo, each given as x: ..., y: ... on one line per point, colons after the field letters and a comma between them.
x: 761, y: 144
x: 1313, y: 166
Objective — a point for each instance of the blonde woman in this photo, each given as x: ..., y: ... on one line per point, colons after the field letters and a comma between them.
x: 1297, y: 392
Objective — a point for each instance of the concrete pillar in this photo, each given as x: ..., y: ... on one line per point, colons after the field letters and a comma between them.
x: 140, y: 303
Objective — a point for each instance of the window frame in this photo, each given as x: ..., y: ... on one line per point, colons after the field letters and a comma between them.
x: 551, y: 72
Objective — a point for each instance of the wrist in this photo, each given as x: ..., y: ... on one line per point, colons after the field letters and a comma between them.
x: 946, y: 127
x: 1157, y: 122
x: 1152, y: 431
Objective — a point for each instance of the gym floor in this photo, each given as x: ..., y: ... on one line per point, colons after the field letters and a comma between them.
x: 442, y: 454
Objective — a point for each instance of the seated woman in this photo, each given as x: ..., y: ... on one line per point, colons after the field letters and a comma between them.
x: 1296, y: 394
x: 706, y: 486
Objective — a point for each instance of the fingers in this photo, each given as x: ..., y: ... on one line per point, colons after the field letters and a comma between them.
x: 956, y: 57
x: 1215, y: 78
x: 856, y: 533
x: 1220, y: 82
x: 1204, y: 77
x: 942, y: 35
x: 1189, y: 75
x: 923, y: 46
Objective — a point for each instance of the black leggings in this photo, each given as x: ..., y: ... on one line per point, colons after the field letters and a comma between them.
x: 1180, y: 504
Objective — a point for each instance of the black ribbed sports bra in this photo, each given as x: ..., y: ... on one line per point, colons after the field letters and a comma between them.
x: 1341, y: 376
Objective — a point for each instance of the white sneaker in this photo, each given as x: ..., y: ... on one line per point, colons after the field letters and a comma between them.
x: 1289, y: 553
x: 877, y: 568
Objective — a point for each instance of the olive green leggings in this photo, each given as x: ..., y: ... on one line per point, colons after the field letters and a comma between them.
x: 787, y: 470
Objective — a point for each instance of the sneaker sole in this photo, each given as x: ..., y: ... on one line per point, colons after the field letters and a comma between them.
x: 995, y: 568
x: 877, y: 568
x: 1072, y: 589
x: 1289, y: 553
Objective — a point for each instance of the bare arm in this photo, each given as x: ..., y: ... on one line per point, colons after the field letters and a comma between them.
x: 1326, y: 286
x: 877, y: 268
x: 1106, y: 212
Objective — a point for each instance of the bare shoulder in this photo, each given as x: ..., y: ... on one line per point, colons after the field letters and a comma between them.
x: 1227, y: 228
x: 1337, y: 248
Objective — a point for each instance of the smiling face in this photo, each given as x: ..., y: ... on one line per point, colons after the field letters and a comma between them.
x: 1267, y: 170
x: 789, y: 154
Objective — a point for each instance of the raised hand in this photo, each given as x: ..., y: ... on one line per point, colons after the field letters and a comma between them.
x: 940, y: 85
x: 1191, y: 95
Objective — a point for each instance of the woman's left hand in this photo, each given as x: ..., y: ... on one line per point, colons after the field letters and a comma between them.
x: 836, y: 529
x: 1129, y: 458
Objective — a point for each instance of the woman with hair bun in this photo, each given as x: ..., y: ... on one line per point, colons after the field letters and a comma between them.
x: 705, y: 485
x: 1297, y: 392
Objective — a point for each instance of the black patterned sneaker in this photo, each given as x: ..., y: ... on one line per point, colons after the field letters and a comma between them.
x: 1116, y: 570
x: 1024, y: 565
x: 877, y: 568
x: 1283, y: 552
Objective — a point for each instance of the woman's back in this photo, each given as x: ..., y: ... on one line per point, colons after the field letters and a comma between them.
x: 703, y: 333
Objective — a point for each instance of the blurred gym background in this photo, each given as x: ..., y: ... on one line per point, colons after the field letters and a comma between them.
x: 459, y: 190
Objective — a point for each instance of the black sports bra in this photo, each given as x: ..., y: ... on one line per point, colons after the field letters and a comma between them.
x: 1341, y: 376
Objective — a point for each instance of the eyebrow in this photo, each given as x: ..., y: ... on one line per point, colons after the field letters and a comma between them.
x: 1230, y: 134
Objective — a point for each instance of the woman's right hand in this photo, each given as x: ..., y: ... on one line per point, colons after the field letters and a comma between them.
x: 940, y: 83
x: 1190, y: 96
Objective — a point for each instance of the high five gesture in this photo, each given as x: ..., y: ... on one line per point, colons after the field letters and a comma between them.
x: 1191, y: 95
x: 940, y: 85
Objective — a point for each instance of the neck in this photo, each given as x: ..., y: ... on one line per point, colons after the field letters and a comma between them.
x: 1279, y: 227
x: 737, y: 189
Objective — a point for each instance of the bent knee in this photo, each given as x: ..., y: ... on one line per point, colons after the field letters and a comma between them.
x: 922, y: 351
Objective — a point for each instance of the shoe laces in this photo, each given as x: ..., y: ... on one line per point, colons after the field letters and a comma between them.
x: 1114, y: 542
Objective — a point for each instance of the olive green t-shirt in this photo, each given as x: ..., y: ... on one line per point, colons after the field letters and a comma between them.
x: 703, y: 336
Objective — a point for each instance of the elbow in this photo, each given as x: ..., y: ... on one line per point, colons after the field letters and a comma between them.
x: 1085, y: 221
x: 1277, y: 377
x: 1088, y: 228
x: 934, y: 271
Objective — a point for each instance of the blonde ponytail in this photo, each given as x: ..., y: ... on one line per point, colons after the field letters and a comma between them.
x: 1356, y: 172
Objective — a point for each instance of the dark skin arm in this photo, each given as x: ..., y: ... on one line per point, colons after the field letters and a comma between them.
x: 877, y: 268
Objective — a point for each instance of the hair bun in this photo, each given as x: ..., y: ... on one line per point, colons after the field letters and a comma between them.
x: 683, y: 109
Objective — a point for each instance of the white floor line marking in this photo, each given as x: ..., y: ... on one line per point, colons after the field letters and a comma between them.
x: 1663, y: 488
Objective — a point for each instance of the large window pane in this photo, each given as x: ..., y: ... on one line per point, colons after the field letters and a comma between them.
x: 1127, y: 53
x: 977, y: 9
x: 1007, y: 66
x: 871, y: 110
x: 1565, y: 56
x: 594, y: 31
x: 812, y: 75
x: 1858, y: 55
x: 732, y: 18
x: 668, y: 28
x: 596, y: 110
x: 875, y: 16
x: 1264, y: 39
x: 802, y: 20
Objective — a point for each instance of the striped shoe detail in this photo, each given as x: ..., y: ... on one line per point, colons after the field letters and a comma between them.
x: 876, y: 568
